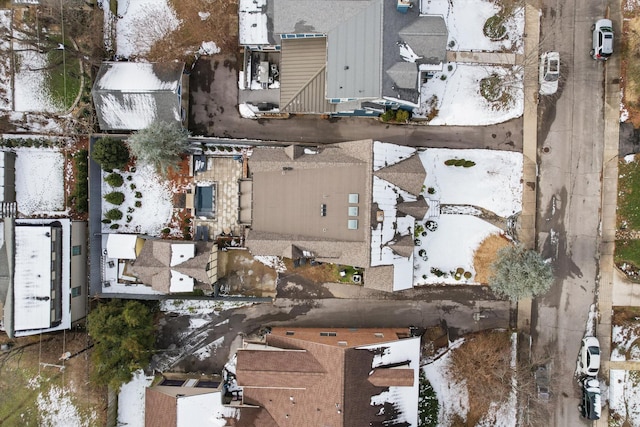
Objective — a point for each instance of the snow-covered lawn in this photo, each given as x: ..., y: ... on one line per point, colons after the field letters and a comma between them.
x: 30, y: 80
x: 624, y: 398
x: 140, y: 24
x: 154, y: 212
x: 458, y: 99
x: 57, y: 408
x: 625, y: 343
x: 465, y: 20
x: 39, y: 181
x: 450, y: 247
x: 452, y: 396
x: 493, y: 183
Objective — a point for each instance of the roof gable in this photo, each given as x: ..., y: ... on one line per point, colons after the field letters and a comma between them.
x: 408, y: 174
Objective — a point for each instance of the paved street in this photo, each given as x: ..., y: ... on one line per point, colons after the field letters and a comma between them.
x: 571, y: 144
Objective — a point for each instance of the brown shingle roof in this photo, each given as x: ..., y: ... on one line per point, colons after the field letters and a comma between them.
x: 152, y: 267
x: 408, y: 174
x: 385, y: 377
x: 160, y: 409
x: 342, y: 394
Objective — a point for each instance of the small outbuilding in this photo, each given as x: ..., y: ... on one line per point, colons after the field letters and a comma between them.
x: 129, y: 96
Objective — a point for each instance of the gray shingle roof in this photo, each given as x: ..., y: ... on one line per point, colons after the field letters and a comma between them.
x: 404, y: 75
x: 427, y: 36
x: 408, y: 174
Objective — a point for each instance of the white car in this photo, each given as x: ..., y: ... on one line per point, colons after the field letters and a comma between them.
x: 589, y: 363
x: 549, y: 72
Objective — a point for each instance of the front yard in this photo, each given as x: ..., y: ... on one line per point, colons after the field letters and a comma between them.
x: 627, y: 251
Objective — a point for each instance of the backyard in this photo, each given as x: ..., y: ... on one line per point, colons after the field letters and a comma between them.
x: 43, y: 393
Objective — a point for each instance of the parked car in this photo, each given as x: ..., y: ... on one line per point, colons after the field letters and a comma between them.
x: 602, y: 39
x: 542, y: 383
x: 589, y: 363
x: 549, y: 72
x: 590, y: 405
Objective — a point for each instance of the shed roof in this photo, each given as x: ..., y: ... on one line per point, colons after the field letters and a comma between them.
x: 132, y: 95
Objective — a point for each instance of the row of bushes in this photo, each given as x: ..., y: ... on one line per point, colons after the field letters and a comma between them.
x: 29, y: 142
x: 80, y: 196
x: 460, y: 163
x: 398, y: 116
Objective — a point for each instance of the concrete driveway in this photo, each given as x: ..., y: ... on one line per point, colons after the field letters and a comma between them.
x: 213, y: 112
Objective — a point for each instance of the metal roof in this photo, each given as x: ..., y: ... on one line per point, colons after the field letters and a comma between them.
x: 303, y: 71
x: 354, y: 40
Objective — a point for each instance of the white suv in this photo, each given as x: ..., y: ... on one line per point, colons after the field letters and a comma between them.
x: 602, y: 39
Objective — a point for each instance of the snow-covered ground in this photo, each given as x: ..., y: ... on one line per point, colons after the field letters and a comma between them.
x: 458, y: 99
x: 493, y: 183
x: 6, y: 91
x: 452, y: 396
x: 31, y: 91
x: 199, y: 307
x: 465, y: 20
x: 39, y: 181
x: 57, y: 408
x: 624, y: 398
x: 456, y: 88
x: 131, y: 400
x: 140, y: 24
x: 156, y: 207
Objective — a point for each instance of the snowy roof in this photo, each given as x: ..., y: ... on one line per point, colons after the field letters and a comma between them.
x: 181, y: 282
x: 252, y: 20
x: 122, y: 246
x: 32, y: 278
x: 181, y: 253
x: 132, y: 95
x: 331, y: 378
x: 404, y: 354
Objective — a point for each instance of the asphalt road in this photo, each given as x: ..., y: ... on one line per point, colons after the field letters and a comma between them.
x: 212, y: 112
x: 570, y: 143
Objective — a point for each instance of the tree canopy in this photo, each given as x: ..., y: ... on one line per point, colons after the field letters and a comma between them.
x: 124, y: 337
x: 161, y: 145
x: 110, y: 153
x: 520, y: 273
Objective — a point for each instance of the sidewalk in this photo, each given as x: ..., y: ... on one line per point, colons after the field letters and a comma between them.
x: 527, y: 220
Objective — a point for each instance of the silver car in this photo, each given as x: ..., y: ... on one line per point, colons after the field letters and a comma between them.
x: 602, y: 39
